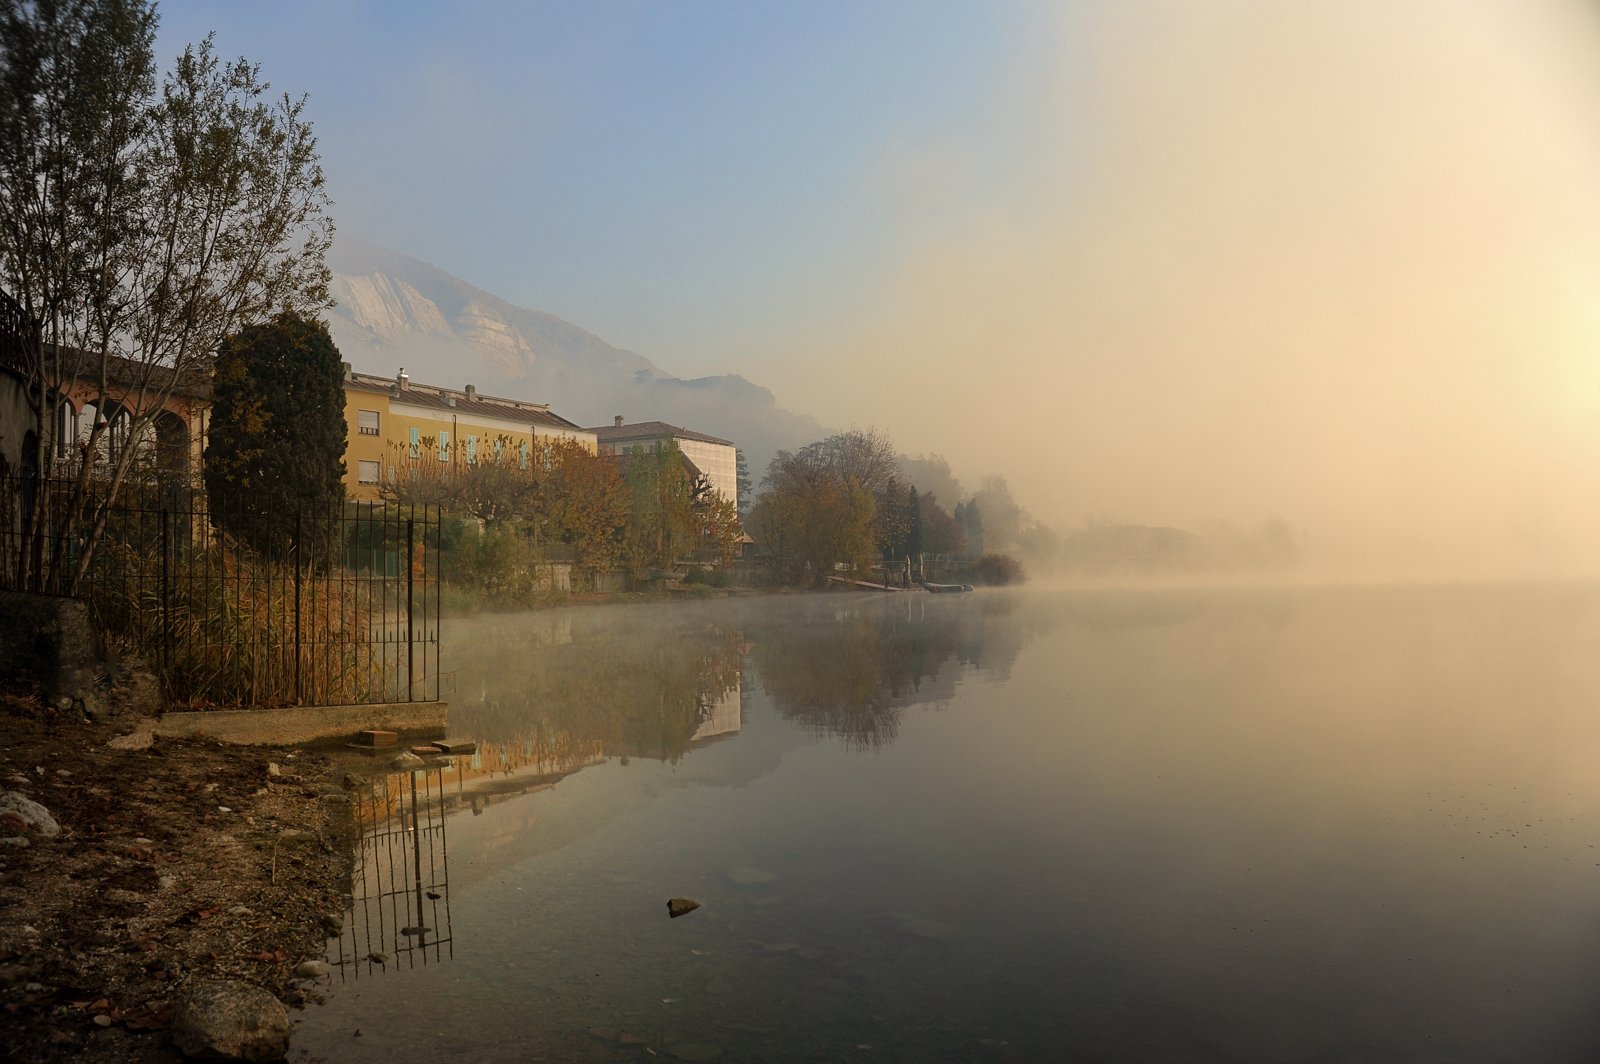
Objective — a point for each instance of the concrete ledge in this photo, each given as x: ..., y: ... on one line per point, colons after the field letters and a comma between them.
x: 293, y: 725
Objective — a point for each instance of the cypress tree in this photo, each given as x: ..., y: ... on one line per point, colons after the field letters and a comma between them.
x: 914, y: 526
x: 974, y: 530
x: 276, y: 442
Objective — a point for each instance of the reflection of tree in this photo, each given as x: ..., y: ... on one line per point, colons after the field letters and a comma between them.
x: 561, y: 702
x: 851, y: 674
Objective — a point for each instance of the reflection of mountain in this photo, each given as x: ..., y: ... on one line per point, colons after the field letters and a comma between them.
x: 396, y: 311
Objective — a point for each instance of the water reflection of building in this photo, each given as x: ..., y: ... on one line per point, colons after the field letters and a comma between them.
x: 723, y: 718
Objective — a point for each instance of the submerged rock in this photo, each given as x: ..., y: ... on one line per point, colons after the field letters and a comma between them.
x: 676, y: 907
x: 228, y: 1020
x: 311, y: 969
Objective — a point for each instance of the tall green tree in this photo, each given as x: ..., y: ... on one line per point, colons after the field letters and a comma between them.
x: 742, y: 484
x: 974, y: 530
x: 278, y: 435
x: 914, y: 546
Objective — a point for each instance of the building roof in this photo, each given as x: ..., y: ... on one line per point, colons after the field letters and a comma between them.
x: 450, y: 401
x: 651, y: 430
x: 625, y: 463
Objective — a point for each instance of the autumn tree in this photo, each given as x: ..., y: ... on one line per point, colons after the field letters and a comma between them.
x: 811, y: 518
x: 585, y: 503
x: 718, y: 525
x: 661, y: 517
x: 488, y: 490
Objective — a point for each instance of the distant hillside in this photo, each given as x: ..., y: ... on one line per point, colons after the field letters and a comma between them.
x: 398, y: 311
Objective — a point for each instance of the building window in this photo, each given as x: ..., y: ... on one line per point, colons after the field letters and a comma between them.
x: 367, y: 422
x: 499, y: 449
x: 444, y: 446
x: 524, y: 462
x: 472, y: 448
x: 416, y: 443
x: 369, y: 472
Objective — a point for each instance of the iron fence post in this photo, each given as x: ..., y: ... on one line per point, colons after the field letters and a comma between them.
x: 416, y: 851
x: 295, y: 551
x: 411, y: 632
x: 166, y: 589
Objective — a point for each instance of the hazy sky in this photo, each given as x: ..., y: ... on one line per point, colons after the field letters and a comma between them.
x: 1165, y: 260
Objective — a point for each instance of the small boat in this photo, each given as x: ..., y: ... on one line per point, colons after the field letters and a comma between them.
x: 662, y: 574
x: 945, y: 589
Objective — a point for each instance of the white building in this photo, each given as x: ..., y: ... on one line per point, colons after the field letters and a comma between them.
x: 718, y: 459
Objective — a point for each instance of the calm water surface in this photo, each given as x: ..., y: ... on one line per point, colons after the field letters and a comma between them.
x: 1339, y: 824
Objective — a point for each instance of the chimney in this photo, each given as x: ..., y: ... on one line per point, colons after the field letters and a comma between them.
x: 349, y: 371
x: 403, y: 381
x: 472, y: 393
x: 619, y: 421
x: 449, y: 400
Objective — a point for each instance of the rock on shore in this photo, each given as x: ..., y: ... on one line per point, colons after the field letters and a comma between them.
x: 228, y: 1020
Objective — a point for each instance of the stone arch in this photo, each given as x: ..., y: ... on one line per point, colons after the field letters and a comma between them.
x: 171, y: 443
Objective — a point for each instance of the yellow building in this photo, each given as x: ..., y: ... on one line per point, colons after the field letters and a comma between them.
x: 463, y: 426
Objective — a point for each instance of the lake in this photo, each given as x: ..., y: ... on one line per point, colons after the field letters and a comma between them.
x: 1274, y: 824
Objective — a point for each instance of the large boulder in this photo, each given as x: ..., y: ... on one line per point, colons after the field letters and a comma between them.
x: 19, y: 812
x: 231, y: 1021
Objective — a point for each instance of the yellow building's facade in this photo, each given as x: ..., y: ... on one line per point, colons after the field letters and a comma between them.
x: 390, y: 416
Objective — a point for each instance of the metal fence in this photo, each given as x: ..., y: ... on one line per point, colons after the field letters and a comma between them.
x: 234, y: 604
x: 400, y: 906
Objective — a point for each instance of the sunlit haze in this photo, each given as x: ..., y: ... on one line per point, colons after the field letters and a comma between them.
x: 1335, y: 262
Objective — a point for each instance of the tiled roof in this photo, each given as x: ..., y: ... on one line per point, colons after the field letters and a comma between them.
x: 483, y: 406
x: 651, y: 430
x: 625, y: 462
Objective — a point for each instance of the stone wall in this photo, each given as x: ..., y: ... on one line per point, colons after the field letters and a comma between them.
x: 53, y: 641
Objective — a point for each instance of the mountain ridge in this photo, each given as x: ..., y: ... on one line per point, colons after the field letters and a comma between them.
x: 393, y: 310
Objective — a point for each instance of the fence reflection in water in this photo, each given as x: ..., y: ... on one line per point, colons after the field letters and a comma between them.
x: 400, y: 912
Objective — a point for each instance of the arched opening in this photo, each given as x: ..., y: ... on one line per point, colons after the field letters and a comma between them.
x: 171, y: 443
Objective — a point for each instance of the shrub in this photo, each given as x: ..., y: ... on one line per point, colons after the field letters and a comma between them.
x: 998, y: 570
x: 708, y: 577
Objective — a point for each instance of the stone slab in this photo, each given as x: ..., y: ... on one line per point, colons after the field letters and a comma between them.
x: 293, y: 725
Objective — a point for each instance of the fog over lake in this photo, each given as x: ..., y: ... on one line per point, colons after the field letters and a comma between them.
x: 1199, y: 824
